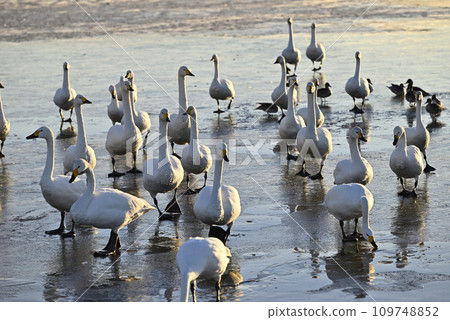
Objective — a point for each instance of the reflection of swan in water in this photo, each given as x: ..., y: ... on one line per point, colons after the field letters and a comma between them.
x: 351, y: 271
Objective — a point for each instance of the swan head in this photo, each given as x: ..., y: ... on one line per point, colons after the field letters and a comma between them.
x: 192, y: 111
x: 215, y: 58
x: 42, y: 132
x: 357, y: 133
x: 184, y: 71
x: 316, y: 82
x: 398, y: 132
x: 369, y: 236
x: 222, y: 151
x: 419, y: 96
x: 280, y: 60
x: 79, y: 167
x: 313, y: 26
x: 125, y: 84
x: 310, y: 87
x: 289, y: 20
x: 293, y: 82
x: 66, y: 65
x: 80, y: 99
x: 358, y: 55
x: 164, y: 115
x: 112, y: 90
x: 129, y: 75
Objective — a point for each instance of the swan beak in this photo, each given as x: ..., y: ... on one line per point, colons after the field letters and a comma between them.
x: 34, y: 135
x: 361, y: 137
x: 395, y: 140
x: 225, y: 156
x: 129, y: 88
x: 276, y: 61
x: 113, y: 95
x: 1, y: 86
x: 372, y: 241
x: 189, y: 73
x: 166, y: 117
x: 85, y: 100
x: 74, y: 175
x: 288, y: 70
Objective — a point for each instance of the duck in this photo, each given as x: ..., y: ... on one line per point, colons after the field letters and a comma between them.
x: 291, y: 54
x: 434, y: 107
x: 312, y: 140
x: 122, y: 139
x: 398, y: 89
x: 303, y: 112
x: 180, y: 125
x: 196, y: 158
x: 81, y: 149
x: 201, y: 258
x: 409, y: 82
x: 357, y: 169
x: 220, y: 89
x: 406, y: 161
x: 410, y: 95
x: 105, y: 208
x: 357, y: 87
x: 219, y: 204
x: 4, y: 125
x: 115, y: 112
x: 419, y: 135
x: 291, y: 123
x: 56, y: 189
x: 315, y: 51
x: 65, y: 95
x: 350, y: 202
x: 324, y: 93
x: 165, y: 173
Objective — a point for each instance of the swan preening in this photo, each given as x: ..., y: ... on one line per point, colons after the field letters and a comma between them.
x: 220, y: 89
x: 165, y: 173
x: 356, y: 169
x: 315, y: 51
x: 126, y: 138
x: 351, y: 202
x: 4, y: 125
x: 196, y: 158
x: 291, y: 54
x: 105, y: 208
x: 218, y: 204
x: 357, y: 87
x: 201, y: 258
x: 65, y: 95
x: 56, y: 189
x: 406, y: 161
x: 313, y: 141
x: 115, y: 112
x: 81, y: 150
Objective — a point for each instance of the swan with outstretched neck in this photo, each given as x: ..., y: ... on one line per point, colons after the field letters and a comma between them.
x: 115, y: 112
x: 64, y: 96
x: 220, y: 89
x: 4, y: 126
x: 357, y: 87
x: 315, y: 51
x: 291, y: 54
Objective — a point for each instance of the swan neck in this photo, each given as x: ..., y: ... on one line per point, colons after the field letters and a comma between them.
x: 419, y: 122
x: 217, y: 184
x: 401, y: 143
x: 291, y: 36
x: 90, y: 182
x: 2, y: 114
x: 313, y: 37
x: 128, y: 118
x: 81, y: 139
x: 50, y: 162
x: 291, y: 108
x: 194, y: 135
x: 163, y: 141
x: 216, y: 70
x: 182, y: 95
x: 311, y: 123
x: 358, y: 69
x: 354, y: 150
x: 66, y: 81
x: 283, y: 76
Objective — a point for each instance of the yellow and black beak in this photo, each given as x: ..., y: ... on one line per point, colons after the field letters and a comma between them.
x: 166, y: 117
x: 74, y: 175
x: 225, y: 156
x: 1, y: 86
x: 34, y: 135
x: 372, y: 241
x: 85, y: 100
x: 395, y: 140
x: 129, y: 88
x: 189, y: 73
x: 361, y: 137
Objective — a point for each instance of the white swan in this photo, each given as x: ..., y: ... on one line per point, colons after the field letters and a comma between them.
x: 419, y: 135
x: 115, y: 112
x: 81, y: 150
x: 56, y: 189
x: 357, y: 169
x: 165, y: 173
x: 4, y: 126
x: 291, y: 54
x: 348, y: 202
x: 220, y: 89
x: 317, y: 142
x: 218, y: 204
x: 315, y: 51
x: 179, y: 125
x: 357, y: 86
x: 205, y: 258
x: 196, y: 158
x: 105, y: 208
x: 406, y: 161
x: 303, y: 112
x: 127, y: 138
x: 291, y: 123
x: 130, y: 76
x: 65, y: 95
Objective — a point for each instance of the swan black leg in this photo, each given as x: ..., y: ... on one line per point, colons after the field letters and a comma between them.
x: 172, y: 144
x: 111, y: 247
x: 134, y: 169
x: 218, y: 291
x: 428, y: 168
x: 71, y: 233
x: 114, y: 173
x: 173, y: 206
x: 194, y: 298
x: 61, y: 227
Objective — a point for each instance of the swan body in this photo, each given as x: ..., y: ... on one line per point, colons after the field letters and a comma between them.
x: 315, y: 51
x: 291, y: 123
x: 196, y: 158
x: 218, y: 204
x: 105, y: 208
x: 180, y: 125
x: 4, y: 126
x: 81, y: 150
x: 313, y: 140
x: 57, y: 190
x: 303, y: 112
x: 357, y: 169
x: 220, y: 89
x: 357, y: 87
x: 291, y: 54
x: 419, y: 135
x: 398, y: 89
x: 348, y: 202
x: 165, y: 173
x: 205, y: 258
x: 115, y: 112
x: 406, y: 161
x: 125, y: 138
x: 64, y: 96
